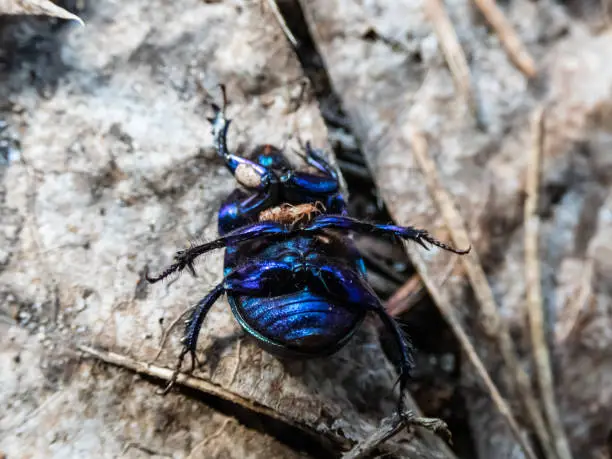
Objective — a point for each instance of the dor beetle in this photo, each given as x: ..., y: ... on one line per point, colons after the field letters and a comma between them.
x: 292, y: 274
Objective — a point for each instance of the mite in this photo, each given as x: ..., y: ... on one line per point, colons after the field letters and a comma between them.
x: 293, y: 277
x: 290, y: 214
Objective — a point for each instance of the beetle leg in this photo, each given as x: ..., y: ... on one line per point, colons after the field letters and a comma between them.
x: 345, y: 284
x: 305, y: 183
x: 310, y: 184
x: 339, y: 222
x: 254, y: 278
x: 248, y: 173
x: 404, y: 345
x: 194, y: 324
x: 185, y: 258
x: 192, y: 331
x: 241, y: 209
x: 318, y: 161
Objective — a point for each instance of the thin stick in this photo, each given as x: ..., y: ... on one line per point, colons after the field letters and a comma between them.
x: 446, y: 309
x: 535, y: 306
x: 409, y: 294
x: 509, y: 39
x: 144, y: 449
x: 167, y: 331
x: 492, y: 322
x: 392, y: 426
x: 453, y: 53
x: 283, y: 25
x: 404, y: 297
x: 184, y: 379
x: 575, y: 308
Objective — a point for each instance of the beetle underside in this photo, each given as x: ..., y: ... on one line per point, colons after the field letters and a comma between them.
x: 294, y: 279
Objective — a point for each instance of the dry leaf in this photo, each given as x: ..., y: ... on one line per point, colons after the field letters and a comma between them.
x: 37, y: 7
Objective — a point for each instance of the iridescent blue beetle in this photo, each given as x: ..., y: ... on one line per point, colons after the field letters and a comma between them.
x: 293, y: 277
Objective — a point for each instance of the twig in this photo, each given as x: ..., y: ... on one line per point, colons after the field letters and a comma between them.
x: 283, y: 25
x: 446, y: 309
x: 412, y: 291
x: 405, y: 297
x: 167, y: 331
x: 144, y: 449
x: 453, y: 53
x: 508, y: 37
x: 492, y: 322
x: 183, y: 379
x: 391, y: 426
x: 535, y: 306
x: 574, y: 311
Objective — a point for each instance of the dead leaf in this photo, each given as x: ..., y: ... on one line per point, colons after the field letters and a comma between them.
x: 37, y: 7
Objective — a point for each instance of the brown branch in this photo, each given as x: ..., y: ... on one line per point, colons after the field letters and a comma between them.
x: 406, y: 296
x: 577, y: 307
x: 491, y: 321
x: 535, y: 306
x: 392, y: 426
x: 411, y: 292
x: 453, y: 53
x: 508, y: 37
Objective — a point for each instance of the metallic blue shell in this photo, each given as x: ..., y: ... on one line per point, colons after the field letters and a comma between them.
x: 299, y: 322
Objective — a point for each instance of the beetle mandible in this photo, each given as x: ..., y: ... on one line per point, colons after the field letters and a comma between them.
x: 297, y: 285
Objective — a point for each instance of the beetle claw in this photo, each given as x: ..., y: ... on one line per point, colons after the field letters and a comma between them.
x: 191, y: 268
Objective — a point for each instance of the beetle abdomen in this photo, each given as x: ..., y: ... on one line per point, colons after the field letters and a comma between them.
x: 301, y: 322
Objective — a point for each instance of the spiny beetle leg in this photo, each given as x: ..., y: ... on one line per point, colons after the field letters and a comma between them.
x: 298, y: 184
x: 304, y: 183
x: 248, y: 173
x: 241, y: 209
x: 194, y: 323
x: 254, y: 278
x: 340, y: 222
x: 192, y: 330
x: 220, y: 125
x: 348, y: 285
x: 318, y: 161
x: 185, y: 258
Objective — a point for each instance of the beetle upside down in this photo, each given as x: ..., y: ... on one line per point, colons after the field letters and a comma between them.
x: 293, y: 277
